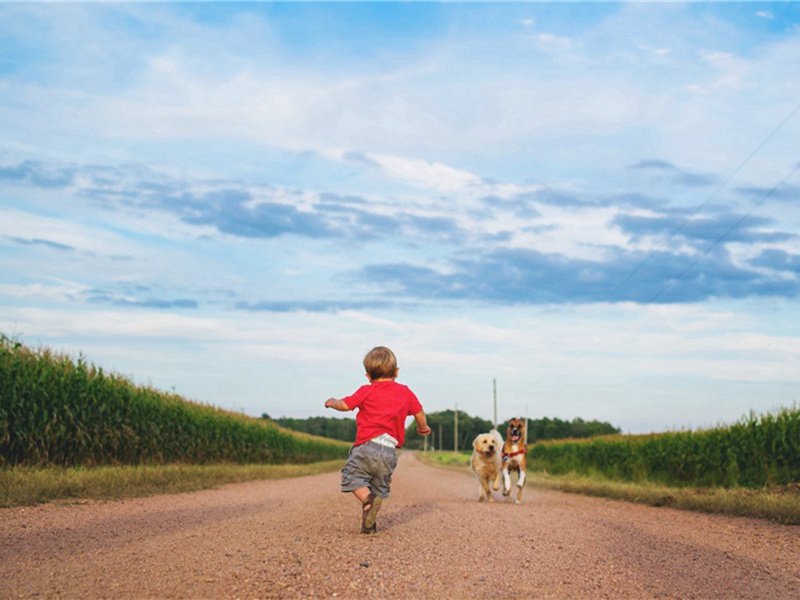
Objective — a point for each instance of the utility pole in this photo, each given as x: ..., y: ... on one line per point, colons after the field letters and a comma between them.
x: 441, y: 439
x: 494, y: 381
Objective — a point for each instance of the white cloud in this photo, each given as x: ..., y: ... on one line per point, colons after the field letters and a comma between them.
x: 436, y: 176
x: 655, y: 51
x: 731, y: 78
x: 554, y: 43
x: 57, y: 291
x: 71, y: 233
x: 579, y: 233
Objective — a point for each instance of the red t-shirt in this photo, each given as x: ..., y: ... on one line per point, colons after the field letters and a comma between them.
x: 382, y: 408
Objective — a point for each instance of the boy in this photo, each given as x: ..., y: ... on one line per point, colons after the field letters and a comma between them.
x: 380, y: 429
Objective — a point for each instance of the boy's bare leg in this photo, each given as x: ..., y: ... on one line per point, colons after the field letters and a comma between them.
x: 362, y: 494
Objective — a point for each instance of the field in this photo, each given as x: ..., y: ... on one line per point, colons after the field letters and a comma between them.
x: 55, y: 411
x: 759, y: 451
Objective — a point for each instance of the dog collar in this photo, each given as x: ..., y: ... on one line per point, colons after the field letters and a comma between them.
x: 510, y: 454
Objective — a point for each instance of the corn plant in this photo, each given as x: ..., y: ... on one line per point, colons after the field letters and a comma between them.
x: 757, y: 451
x: 56, y: 411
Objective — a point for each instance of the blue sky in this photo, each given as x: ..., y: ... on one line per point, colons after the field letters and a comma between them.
x: 596, y: 204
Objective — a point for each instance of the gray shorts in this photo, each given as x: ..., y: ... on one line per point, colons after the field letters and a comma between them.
x: 370, y: 465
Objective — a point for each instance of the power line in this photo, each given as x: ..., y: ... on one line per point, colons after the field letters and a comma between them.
x: 727, y: 233
x: 717, y: 241
x: 705, y: 203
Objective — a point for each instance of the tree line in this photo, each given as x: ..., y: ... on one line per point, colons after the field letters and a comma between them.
x: 443, y: 424
x: 343, y: 429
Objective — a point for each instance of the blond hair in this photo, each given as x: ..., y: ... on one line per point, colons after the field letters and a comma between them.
x: 380, y: 363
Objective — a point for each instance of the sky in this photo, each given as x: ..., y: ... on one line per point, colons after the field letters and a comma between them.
x: 594, y: 205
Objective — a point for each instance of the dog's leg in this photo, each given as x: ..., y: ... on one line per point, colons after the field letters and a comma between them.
x: 520, y: 486
x: 506, y: 482
x: 480, y: 487
x: 496, y: 485
x: 483, y: 489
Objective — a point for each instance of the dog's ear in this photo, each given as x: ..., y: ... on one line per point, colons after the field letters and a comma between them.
x: 475, y: 442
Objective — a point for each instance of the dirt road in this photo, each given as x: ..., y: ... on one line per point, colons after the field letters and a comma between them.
x: 300, y: 538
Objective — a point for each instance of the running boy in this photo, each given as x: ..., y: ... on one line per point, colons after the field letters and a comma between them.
x: 383, y: 406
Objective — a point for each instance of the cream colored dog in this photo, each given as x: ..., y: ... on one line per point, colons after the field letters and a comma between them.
x: 487, y: 463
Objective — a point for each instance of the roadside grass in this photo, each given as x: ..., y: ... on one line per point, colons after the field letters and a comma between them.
x: 780, y: 504
x: 27, y: 486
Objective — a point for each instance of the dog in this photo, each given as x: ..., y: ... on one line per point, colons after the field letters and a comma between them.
x: 486, y: 463
x: 514, y: 451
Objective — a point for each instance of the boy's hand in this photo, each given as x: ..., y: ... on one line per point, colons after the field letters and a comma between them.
x: 336, y: 404
x: 423, y: 431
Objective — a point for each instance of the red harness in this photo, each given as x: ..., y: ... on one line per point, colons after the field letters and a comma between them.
x: 507, y: 455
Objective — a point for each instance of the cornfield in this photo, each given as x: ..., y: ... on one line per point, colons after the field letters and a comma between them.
x: 757, y: 451
x: 56, y: 411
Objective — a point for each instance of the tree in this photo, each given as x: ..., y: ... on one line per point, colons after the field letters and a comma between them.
x: 343, y: 429
x: 558, y: 429
x: 468, y: 429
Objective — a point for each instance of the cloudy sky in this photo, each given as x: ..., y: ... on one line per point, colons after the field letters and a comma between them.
x: 597, y: 205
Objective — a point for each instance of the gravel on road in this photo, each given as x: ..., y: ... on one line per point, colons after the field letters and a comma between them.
x: 299, y: 538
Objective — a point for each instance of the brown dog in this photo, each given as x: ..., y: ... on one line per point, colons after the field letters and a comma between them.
x: 486, y: 463
x: 514, y: 451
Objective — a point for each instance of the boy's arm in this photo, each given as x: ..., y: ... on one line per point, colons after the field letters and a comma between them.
x: 422, y: 423
x: 337, y: 404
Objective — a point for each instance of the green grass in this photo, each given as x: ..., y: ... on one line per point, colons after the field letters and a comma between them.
x: 26, y: 486
x: 778, y: 504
